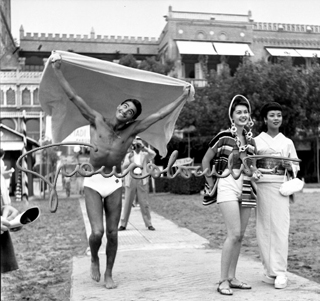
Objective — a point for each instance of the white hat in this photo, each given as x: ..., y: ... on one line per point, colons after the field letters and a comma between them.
x: 231, y: 103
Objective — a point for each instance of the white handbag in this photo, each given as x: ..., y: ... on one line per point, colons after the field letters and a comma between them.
x: 291, y: 186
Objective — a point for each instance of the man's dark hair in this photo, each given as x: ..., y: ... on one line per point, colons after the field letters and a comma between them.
x: 1, y: 152
x: 137, y: 104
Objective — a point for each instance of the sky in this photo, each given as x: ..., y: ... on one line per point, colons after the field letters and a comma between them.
x: 144, y: 18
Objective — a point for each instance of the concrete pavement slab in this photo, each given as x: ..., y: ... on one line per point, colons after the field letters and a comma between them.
x: 181, y: 274
x: 173, y: 263
x: 137, y: 236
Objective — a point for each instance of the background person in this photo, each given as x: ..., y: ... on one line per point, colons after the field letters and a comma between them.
x: 232, y: 193
x: 273, y: 214
x: 139, y: 188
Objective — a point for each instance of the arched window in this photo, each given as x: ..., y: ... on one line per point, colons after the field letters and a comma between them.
x: 33, y: 128
x: 223, y: 36
x: 36, y: 97
x: 9, y: 123
x: 26, y: 97
x: 1, y: 97
x: 201, y: 35
x: 11, y: 97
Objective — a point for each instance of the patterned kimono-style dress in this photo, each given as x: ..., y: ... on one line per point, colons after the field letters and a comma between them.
x: 273, y: 216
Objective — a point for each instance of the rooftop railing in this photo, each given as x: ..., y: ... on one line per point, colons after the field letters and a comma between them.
x: 286, y: 27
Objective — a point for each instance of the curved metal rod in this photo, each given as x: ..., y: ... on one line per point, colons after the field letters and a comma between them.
x: 87, y: 170
x: 244, y: 168
x: 53, y: 199
x: 255, y: 158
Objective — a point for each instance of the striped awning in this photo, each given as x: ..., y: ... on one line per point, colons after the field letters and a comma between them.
x: 209, y: 48
x: 294, y: 52
x: 190, y: 47
x: 236, y: 49
x: 309, y: 52
x: 283, y: 52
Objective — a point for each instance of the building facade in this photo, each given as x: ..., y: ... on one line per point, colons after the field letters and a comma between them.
x: 226, y: 38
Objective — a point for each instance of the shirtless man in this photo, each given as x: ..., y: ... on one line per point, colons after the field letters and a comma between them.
x: 112, y: 138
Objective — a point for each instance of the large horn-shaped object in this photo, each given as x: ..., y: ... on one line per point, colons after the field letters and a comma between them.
x: 27, y: 217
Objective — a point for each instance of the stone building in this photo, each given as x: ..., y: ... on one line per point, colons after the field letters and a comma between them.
x: 18, y: 93
x: 223, y: 38
x: 226, y: 38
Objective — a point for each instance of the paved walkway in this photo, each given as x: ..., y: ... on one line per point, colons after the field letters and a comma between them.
x: 174, y: 264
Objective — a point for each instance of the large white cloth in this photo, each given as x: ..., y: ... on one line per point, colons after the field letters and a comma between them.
x: 104, y: 85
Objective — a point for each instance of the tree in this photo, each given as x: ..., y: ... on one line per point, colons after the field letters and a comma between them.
x: 152, y: 64
x: 281, y: 82
x: 260, y: 82
x: 311, y: 122
x: 285, y: 85
x: 209, y: 112
x: 129, y: 61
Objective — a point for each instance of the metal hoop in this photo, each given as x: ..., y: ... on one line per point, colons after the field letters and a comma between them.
x: 152, y: 170
x: 233, y: 129
x: 250, y: 123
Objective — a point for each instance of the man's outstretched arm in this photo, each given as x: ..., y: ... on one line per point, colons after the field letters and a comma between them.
x: 162, y: 113
x: 84, y: 109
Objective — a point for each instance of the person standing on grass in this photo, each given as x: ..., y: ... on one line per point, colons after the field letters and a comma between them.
x: 112, y: 137
x: 273, y: 214
x: 141, y: 155
x: 235, y: 197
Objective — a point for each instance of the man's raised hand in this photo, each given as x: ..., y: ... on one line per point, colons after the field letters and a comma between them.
x: 56, y: 60
x: 187, y: 93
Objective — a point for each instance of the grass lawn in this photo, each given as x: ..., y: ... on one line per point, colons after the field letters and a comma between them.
x: 45, y: 248
x: 44, y: 251
x: 304, y: 241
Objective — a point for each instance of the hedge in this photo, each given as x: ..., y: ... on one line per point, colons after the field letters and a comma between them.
x: 180, y: 185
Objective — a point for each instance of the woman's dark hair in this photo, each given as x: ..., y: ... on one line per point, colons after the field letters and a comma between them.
x: 238, y: 101
x: 2, y: 152
x: 137, y: 104
x: 271, y: 106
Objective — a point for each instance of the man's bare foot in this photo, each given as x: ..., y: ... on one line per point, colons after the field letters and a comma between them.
x: 95, y: 270
x: 110, y: 284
